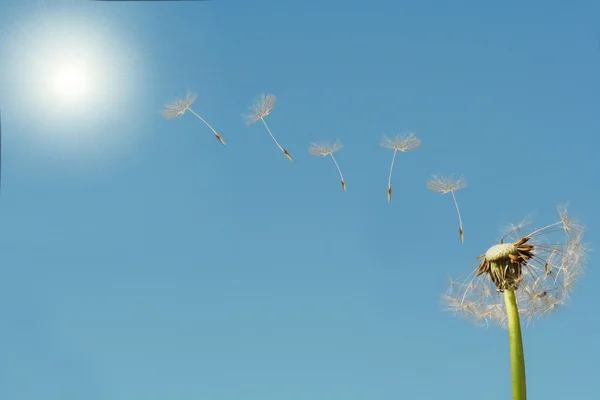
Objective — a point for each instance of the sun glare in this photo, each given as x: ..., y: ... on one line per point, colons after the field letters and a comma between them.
x: 71, y: 81
x: 70, y: 64
x: 72, y: 74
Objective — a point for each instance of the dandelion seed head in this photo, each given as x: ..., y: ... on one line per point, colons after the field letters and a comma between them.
x: 261, y: 108
x: 445, y: 184
x: 501, y: 251
x: 324, y: 149
x: 179, y: 106
x: 404, y: 143
x: 542, y: 268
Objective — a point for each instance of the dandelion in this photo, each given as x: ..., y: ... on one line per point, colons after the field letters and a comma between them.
x: 398, y: 143
x: 327, y: 149
x: 260, y: 109
x: 444, y: 185
x: 180, y: 106
x: 536, y: 271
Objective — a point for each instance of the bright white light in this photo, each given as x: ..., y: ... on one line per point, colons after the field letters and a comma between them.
x: 70, y: 66
x: 72, y: 77
x: 71, y: 82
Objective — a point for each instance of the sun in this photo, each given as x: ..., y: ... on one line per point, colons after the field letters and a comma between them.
x: 71, y: 81
x: 74, y: 74
x: 70, y: 65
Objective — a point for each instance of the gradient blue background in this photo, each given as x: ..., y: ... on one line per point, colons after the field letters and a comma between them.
x: 170, y: 267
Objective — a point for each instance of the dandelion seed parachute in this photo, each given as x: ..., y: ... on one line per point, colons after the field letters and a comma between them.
x: 327, y: 149
x: 259, y: 110
x: 443, y: 185
x: 180, y: 106
x: 398, y: 143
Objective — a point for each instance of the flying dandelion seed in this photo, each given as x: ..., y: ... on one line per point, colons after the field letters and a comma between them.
x: 260, y: 109
x: 180, y: 106
x: 398, y: 143
x: 445, y: 185
x: 327, y: 149
x: 535, y: 274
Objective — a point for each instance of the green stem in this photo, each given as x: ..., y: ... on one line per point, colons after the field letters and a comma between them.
x: 517, y: 359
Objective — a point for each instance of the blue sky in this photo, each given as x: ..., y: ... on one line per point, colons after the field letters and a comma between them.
x: 143, y: 260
